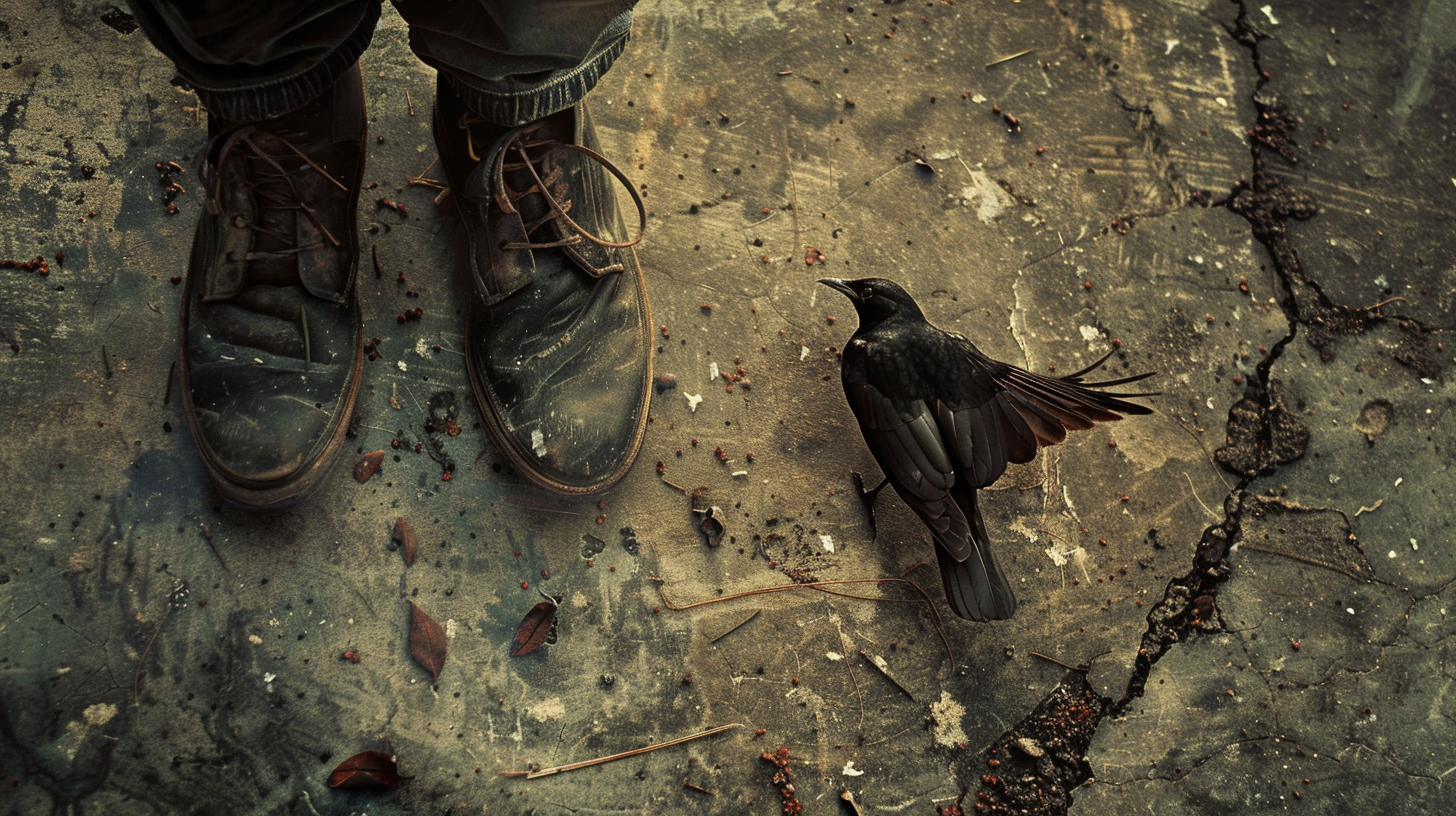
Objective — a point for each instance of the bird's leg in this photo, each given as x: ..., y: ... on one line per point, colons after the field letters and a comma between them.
x: 867, y: 496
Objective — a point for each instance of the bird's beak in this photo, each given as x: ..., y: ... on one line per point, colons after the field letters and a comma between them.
x: 840, y: 285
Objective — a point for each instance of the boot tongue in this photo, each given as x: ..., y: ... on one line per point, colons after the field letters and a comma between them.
x: 267, y: 237
x: 568, y: 176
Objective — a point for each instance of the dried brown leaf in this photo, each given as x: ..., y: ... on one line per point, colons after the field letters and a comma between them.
x: 406, y: 540
x: 534, y: 629
x: 366, y: 769
x: 426, y: 642
x: 711, y: 527
x: 368, y: 466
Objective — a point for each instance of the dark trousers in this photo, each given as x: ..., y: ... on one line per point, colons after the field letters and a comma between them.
x: 512, y: 61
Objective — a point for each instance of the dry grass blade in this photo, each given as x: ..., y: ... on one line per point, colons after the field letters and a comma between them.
x: 823, y: 586
x: 587, y: 763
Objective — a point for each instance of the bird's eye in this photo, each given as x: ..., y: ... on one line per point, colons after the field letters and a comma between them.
x: 869, y: 292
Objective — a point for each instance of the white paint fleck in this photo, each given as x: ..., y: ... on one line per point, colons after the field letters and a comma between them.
x: 850, y: 770
x: 834, y: 655
x: 552, y: 709
x: 1269, y: 12
x: 1350, y: 609
x: 422, y: 348
x: 803, y: 353
x: 1090, y: 333
x: 693, y: 400
x: 99, y: 714
x: 1171, y: 45
x: 1221, y: 101
x: 712, y: 371
x: 989, y: 199
x: 402, y: 365
x: 255, y: 640
x: 538, y: 442
x: 948, y: 714
x: 827, y: 542
x: 979, y: 99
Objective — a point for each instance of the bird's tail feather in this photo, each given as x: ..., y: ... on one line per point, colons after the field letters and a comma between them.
x: 976, y: 588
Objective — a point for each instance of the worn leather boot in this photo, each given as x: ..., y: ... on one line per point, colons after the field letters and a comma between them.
x: 559, y: 339
x: 271, y: 336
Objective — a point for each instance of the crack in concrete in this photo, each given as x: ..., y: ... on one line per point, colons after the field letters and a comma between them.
x: 1261, y: 435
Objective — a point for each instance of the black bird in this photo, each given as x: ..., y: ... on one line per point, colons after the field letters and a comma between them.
x: 943, y: 419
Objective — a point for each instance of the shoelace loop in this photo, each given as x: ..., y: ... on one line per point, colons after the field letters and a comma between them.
x: 524, y: 145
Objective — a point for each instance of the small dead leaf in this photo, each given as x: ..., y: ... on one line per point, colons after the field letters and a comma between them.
x: 366, y: 769
x: 426, y: 642
x: 368, y: 466
x: 406, y: 540
x: 711, y: 527
x: 535, y: 627
x: 711, y: 524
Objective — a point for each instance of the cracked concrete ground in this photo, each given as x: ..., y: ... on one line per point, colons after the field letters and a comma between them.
x: 1252, y: 586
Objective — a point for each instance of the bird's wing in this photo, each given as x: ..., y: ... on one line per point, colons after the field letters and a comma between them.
x: 903, y: 434
x: 937, y: 450
x: 1051, y: 406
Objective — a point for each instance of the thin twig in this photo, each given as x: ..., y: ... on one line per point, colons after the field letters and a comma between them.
x: 409, y: 102
x: 892, y: 736
x: 735, y: 627
x: 1313, y: 562
x: 587, y: 763
x: 1082, y: 669
x: 421, y: 181
x: 869, y: 183
x: 849, y: 664
x: 1218, y: 471
x: 1196, y: 498
x: 876, y: 662
x: 819, y: 585
x: 918, y: 565
x: 993, y: 63
x: 1385, y: 302
x: 793, y: 193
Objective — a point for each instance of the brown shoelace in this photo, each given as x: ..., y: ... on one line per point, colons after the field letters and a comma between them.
x: 524, y: 145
